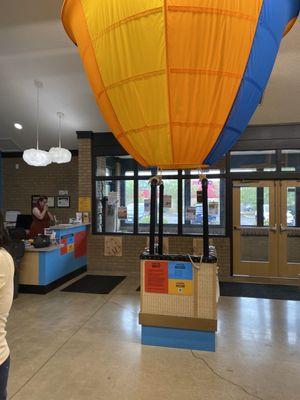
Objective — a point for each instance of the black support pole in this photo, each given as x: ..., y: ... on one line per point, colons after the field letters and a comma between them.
x: 153, y: 215
x: 161, y: 221
x: 205, y: 218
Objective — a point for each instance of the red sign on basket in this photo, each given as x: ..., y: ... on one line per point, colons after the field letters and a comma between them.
x: 156, y: 277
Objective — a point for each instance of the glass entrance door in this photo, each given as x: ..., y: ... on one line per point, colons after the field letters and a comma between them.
x: 266, y: 228
x: 254, y: 228
x: 289, y: 229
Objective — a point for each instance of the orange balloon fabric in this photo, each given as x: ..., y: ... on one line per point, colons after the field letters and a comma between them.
x: 165, y: 73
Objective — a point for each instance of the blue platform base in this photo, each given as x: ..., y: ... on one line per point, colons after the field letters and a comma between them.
x: 178, y: 338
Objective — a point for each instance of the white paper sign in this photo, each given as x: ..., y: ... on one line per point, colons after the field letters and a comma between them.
x: 147, y: 206
x: 167, y: 201
x: 122, y: 212
x: 190, y: 214
x: 112, y: 198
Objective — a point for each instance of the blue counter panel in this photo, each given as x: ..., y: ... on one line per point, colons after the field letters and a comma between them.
x: 53, y: 265
x: 69, y: 231
x: 178, y: 338
x: 58, y: 263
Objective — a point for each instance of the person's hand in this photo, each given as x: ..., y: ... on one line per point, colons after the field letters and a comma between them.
x: 46, y: 207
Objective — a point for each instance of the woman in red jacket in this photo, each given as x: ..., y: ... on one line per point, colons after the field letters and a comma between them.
x: 41, y: 217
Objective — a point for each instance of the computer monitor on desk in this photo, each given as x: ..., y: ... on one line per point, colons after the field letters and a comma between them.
x: 11, y: 216
x: 24, y: 221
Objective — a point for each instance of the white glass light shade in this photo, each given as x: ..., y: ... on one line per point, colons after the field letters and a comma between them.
x: 37, y: 158
x: 60, y: 155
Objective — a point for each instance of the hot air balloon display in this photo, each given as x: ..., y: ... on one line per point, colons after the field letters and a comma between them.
x: 178, y: 81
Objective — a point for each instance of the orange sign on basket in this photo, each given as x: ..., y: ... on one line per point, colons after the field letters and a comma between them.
x: 156, y: 277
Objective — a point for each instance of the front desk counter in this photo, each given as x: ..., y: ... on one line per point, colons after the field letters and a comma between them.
x: 42, y: 270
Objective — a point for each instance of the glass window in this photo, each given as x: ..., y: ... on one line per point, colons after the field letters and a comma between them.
x: 192, y: 206
x: 170, y: 206
x: 254, y: 206
x: 144, y: 195
x: 115, y: 166
x: 290, y: 160
x: 253, y: 161
x: 170, y: 215
x: 218, y: 168
x: 293, y: 221
x: 114, y: 206
x: 293, y: 205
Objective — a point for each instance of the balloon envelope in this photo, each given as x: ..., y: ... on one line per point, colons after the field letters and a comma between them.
x: 178, y: 81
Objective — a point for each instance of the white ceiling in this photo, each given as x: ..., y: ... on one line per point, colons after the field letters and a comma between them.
x: 33, y: 45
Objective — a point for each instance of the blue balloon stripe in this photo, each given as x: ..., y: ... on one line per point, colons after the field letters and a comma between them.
x: 275, y: 15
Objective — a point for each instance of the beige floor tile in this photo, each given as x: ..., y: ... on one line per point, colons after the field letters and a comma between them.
x: 78, y: 346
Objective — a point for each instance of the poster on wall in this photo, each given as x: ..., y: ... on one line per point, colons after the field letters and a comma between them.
x: 213, y: 208
x: 63, y: 201
x: 51, y: 201
x: 190, y: 214
x: 199, y: 196
x: 84, y: 204
x: 113, y: 246
x: 122, y: 213
x: 112, y: 198
x: 167, y: 201
x: 147, y: 206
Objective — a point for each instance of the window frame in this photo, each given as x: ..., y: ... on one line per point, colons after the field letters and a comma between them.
x: 228, y: 177
x: 136, y: 178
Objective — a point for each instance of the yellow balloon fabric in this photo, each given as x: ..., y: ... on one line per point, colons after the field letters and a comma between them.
x: 165, y: 73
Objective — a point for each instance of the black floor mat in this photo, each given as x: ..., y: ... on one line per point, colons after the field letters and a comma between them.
x: 260, y: 291
x: 97, y: 284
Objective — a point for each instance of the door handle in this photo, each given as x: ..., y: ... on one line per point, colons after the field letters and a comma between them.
x: 273, y: 228
x: 282, y: 228
x: 237, y: 228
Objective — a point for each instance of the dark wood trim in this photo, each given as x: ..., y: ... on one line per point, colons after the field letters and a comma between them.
x: 170, y: 321
x: 84, y: 134
x: 19, y: 154
x: 41, y: 289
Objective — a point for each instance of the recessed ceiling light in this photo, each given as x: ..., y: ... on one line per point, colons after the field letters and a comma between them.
x: 18, y: 126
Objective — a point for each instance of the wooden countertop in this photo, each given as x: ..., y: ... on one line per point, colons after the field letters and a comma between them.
x: 32, y: 249
x: 67, y: 226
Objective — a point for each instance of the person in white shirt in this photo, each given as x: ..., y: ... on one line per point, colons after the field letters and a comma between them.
x: 6, y: 298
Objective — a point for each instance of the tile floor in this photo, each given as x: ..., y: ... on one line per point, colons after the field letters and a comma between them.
x: 69, y: 346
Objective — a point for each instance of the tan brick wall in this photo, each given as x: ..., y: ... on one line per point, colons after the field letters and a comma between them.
x: 133, y: 245
x: 129, y: 262
x: 85, y: 168
x: 20, y: 184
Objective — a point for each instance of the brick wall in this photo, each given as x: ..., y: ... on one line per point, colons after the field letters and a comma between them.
x: 85, y: 168
x: 20, y: 184
x: 133, y: 245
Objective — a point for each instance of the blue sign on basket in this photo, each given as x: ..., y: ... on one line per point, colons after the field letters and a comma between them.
x: 180, y: 270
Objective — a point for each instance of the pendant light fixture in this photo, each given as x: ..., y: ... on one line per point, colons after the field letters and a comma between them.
x: 37, y: 157
x: 58, y: 154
